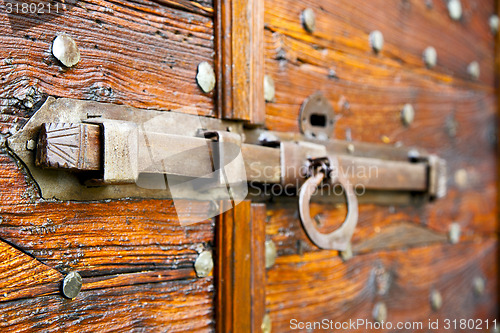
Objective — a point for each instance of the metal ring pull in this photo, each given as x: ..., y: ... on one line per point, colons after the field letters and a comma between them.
x: 340, y: 238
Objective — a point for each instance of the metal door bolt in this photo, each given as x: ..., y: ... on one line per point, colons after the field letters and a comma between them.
x: 65, y: 50
x: 204, y: 264
x: 436, y: 300
x: 407, y: 114
x: 454, y: 233
x: 308, y: 20
x: 271, y: 253
x: 455, y: 9
x: 269, y: 90
x: 72, y: 284
x: 376, y: 40
x: 430, y: 57
x: 474, y: 70
x: 380, y: 312
x: 205, y: 77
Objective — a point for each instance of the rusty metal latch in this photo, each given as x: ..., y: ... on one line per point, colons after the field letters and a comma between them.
x: 84, y: 150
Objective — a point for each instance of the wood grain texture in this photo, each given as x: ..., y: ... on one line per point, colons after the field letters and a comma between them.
x: 240, y: 60
x: 319, y: 285
x: 22, y: 276
x: 143, y: 54
x: 241, y: 269
x: 174, y: 306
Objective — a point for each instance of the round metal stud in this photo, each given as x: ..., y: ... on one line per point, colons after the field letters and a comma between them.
x: 350, y: 148
x: 72, y: 284
x: 308, y: 20
x: 461, y: 178
x: 266, y: 325
x: 407, y: 114
x: 455, y: 9
x: 204, y: 264
x: 479, y: 285
x: 436, y: 300
x: 494, y: 22
x: 269, y: 90
x: 65, y: 50
x: 376, y: 40
x: 380, y: 312
x: 474, y: 70
x: 454, y: 233
x: 271, y: 253
x: 205, y: 77
x: 430, y: 57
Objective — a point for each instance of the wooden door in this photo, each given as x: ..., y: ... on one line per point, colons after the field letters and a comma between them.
x: 415, y: 264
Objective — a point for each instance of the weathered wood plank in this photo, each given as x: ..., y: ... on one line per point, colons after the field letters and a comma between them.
x: 140, y: 54
x: 173, y: 306
x: 319, y: 285
x: 241, y: 269
x: 240, y: 60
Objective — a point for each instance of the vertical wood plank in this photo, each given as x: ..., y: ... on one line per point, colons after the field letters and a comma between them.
x: 240, y: 59
x: 240, y: 250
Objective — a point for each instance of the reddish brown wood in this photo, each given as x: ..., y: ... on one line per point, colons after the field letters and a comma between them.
x: 240, y: 60
x: 241, y: 269
x: 22, y: 276
x: 319, y: 285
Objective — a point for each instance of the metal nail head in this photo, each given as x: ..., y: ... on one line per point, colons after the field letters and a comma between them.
x: 65, y: 50
x: 205, y: 77
x: 204, y: 264
x: 461, y: 178
x: 454, y: 233
x: 308, y: 20
x: 266, y: 325
x: 407, y: 114
x: 494, y: 23
x: 376, y: 40
x: 479, y: 285
x: 436, y: 300
x: 455, y: 9
x: 271, y: 253
x: 269, y: 90
x: 380, y: 312
x: 72, y: 284
x: 430, y: 57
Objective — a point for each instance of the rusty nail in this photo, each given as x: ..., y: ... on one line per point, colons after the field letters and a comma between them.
x: 65, y: 50
x: 72, y: 284
x: 204, y: 264
x: 266, y: 324
x: 380, y: 312
x: 205, y: 77
x: 454, y: 233
x: 308, y: 20
x: 455, y: 9
x: 436, y: 300
x: 430, y: 57
x: 407, y: 114
x: 461, y: 178
x: 479, y: 285
x: 474, y: 70
x: 494, y: 22
x: 382, y: 280
x: 269, y: 90
x: 271, y: 253
x: 376, y: 40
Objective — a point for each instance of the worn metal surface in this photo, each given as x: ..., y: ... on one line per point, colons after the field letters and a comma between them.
x: 317, y: 117
x: 64, y: 48
x: 72, y: 284
x: 340, y: 238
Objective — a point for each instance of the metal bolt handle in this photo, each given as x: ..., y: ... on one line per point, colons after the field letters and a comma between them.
x: 340, y: 238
